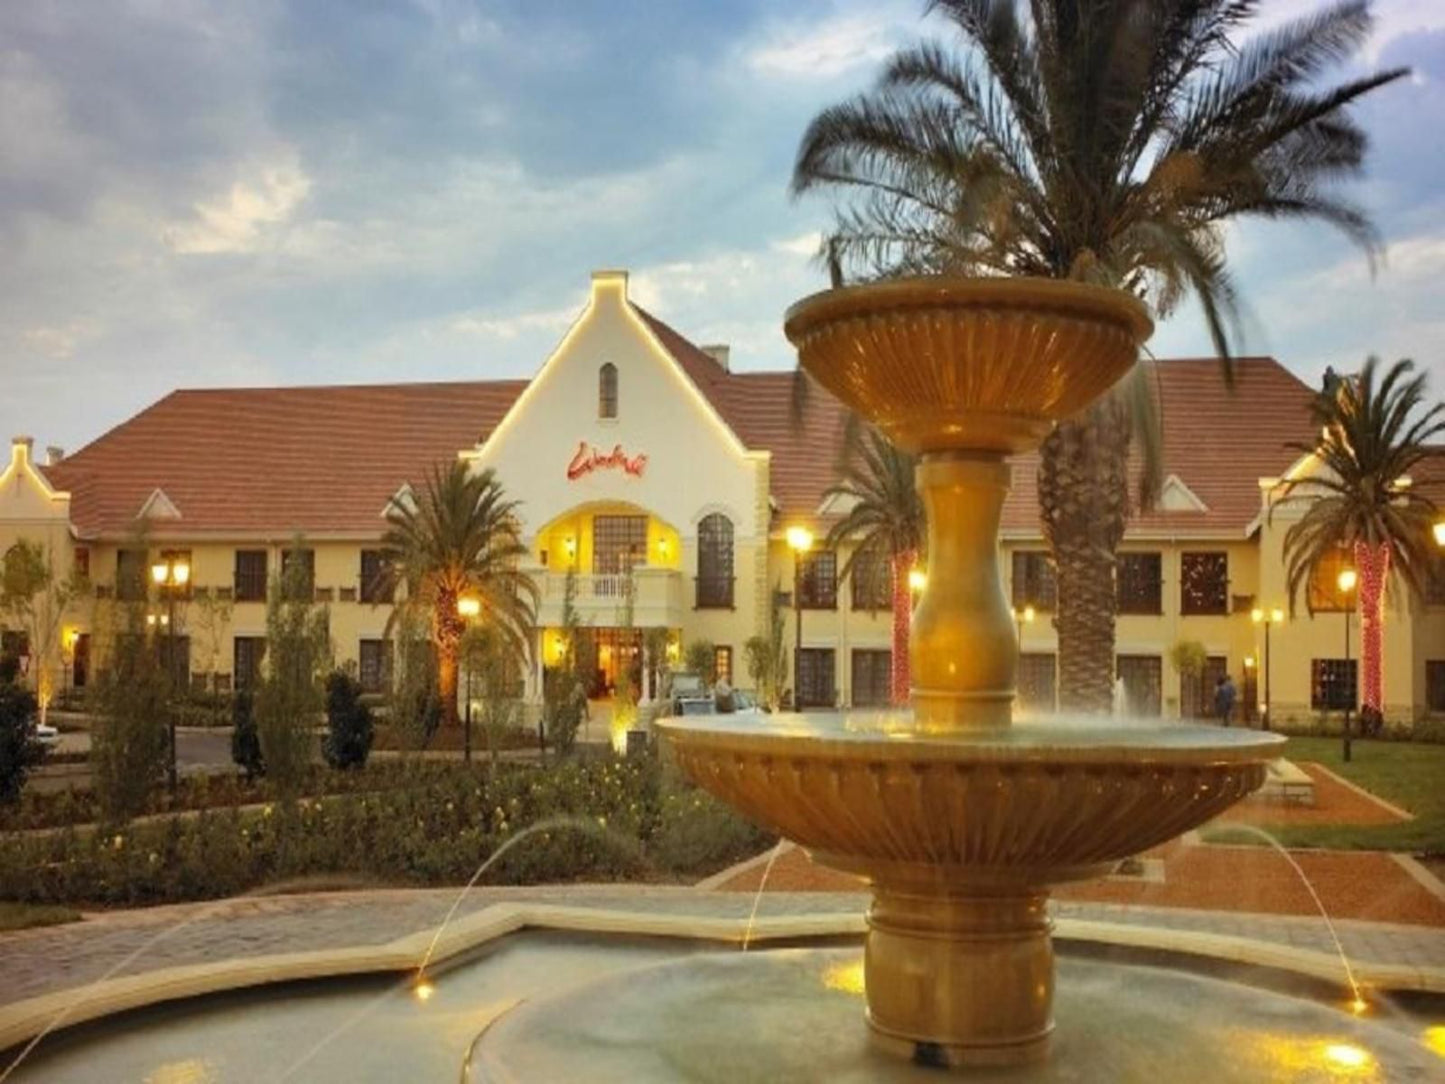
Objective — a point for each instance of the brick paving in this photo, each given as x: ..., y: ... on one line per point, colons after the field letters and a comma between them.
x: 1335, y: 803
x: 35, y: 962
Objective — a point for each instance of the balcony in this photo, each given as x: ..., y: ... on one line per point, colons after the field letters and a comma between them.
x: 601, y: 600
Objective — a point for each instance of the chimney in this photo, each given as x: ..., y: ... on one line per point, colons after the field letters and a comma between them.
x: 20, y: 449
x: 719, y: 353
x: 54, y: 453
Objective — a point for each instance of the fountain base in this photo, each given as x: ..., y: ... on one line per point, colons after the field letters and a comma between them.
x: 792, y: 1014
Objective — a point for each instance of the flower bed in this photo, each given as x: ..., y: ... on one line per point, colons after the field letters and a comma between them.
x: 605, y: 820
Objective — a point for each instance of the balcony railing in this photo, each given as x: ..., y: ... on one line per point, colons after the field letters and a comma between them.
x: 602, y: 598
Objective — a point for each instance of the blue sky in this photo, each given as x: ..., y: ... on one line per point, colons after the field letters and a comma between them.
x: 204, y: 192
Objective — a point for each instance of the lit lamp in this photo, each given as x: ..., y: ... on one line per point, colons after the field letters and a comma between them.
x: 469, y: 607
x: 800, y: 541
x: 1267, y: 618
x: 1440, y: 533
x: 917, y: 580
x: 170, y: 574
x: 1347, y: 582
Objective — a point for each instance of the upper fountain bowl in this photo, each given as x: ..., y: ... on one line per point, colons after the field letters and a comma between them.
x: 982, y: 364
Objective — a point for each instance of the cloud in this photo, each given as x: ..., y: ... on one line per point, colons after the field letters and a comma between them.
x: 245, y: 217
x: 550, y: 321
x: 827, y: 49
x: 60, y: 343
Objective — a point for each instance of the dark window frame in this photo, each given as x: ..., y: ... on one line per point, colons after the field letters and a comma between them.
x: 247, y: 655
x: 1322, y: 587
x: 249, y: 584
x: 817, y: 678
x: 1334, y: 684
x: 1035, y: 582
x: 872, y: 673
x: 377, y: 578
x: 715, y: 562
x: 374, y: 672
x: 817, y: 580
x: 1129, y: 668
x: 1035, y: 692
x: 722, y: 664
x: 871, y: 576
x: 607, y: 391
x: 1204, y: 583
x: 1435, y: 686
x: 1139, y: 583
x: 131, y: 583
x: 303, y: 592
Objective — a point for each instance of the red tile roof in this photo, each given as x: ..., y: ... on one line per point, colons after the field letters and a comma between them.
x: 320, y: 460
x: 275, y: 460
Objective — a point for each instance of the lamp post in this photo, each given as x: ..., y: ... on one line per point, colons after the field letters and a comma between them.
x: 800, y: 541
x: 468, y: 607
x: 1251, y: 689
x: 1266, y: 618
x: 170, y: 575
x: 1347, y: 581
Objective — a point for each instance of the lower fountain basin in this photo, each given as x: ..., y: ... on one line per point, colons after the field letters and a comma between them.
x: 1029, y: 805
x: 793, y: 1015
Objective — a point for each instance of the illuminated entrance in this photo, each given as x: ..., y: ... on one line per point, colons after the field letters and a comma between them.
x: 614, y: 650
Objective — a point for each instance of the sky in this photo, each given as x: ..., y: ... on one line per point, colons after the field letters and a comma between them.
x: 199, y: 193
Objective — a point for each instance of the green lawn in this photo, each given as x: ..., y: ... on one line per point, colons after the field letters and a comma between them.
x: 22, y: 916
x: 1407, y: 774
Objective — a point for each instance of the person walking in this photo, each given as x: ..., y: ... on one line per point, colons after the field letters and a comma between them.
x: 1224, y: 695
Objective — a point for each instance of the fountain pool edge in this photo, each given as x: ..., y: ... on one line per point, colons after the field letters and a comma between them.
x: 22, y: 1020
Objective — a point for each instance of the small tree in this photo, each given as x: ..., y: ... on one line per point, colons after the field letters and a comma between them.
x: 130, y: 744
x: 624, y: 688
x: 1188, y: 657
x: 348, y: 723
x: 415, y: 706
x: 564, y: 685
x: 35, y: 598
x: 19, y: 751
x: 290, y: 698
x: 495, y: 666
x: 768, y: 658
x: 211, y: 617
x: 700, y: 658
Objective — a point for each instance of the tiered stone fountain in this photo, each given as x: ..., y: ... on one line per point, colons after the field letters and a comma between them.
x: 960, y: 820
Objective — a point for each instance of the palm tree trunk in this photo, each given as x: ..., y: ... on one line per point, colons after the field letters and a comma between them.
x: 901, y: 679
x: 1083, y: 505
x: 447, y: 681
x: 1373, y: 562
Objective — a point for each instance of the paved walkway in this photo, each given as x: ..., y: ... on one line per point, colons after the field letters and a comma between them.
x: 35, y: 962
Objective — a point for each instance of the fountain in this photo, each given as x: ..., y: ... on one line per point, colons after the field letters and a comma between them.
x: 959, y: 819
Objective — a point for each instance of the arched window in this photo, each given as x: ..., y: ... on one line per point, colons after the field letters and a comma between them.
x: 715, y: 562
x: 607, y: 391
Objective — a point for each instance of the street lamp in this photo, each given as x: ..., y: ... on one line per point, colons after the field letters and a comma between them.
x: 1347, y: 581
x: 171, y: 574
x: 1266, y: 618
x: 468, y: 608
x: 917, y: 580
x: 800, y: 541
x: 1440, y: 533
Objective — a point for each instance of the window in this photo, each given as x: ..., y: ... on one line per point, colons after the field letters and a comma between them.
x: 1143, y: 683
x: 80, y: 661
x: 618, y: 543
x: 298, y: 574
x: 818, y: 580
x: 375, y: 665
x: 872, y: 678
x: 14, y: 644
x: 722, y: 667
x: 1435, y: 685
x: 246, y: 669
x: 1323, y: 590
x: 872, y: 576
x: 1435, y: 581
x: 715, y: 562
x: 1037, y: 681
x: 378, y: 583
x: 250, y: 576
x: 1333, y: 684
x: 1140, y: 583
x: 816, y: 685
x: 1203, y: 583
x: 1196, y: 694
x: 80, y: 564
x: 1034, y: 582
x: 607, y: 391
x: 174, y: 655
x: 131, y: 575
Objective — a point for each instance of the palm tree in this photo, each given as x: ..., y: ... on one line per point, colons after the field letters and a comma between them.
x: 459, y: 538
x: 1106, y: 142
x: 887, y: 520
x: 1358, y: 500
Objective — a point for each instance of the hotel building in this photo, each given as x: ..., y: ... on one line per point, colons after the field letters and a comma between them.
x: 632, y: 450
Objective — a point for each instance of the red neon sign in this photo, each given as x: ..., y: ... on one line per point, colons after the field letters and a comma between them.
x: 589, y: 459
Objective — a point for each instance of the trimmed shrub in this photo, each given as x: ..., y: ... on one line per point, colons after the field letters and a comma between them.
x: 19, y: 751
x: 349, y: 727
x: 245, y: 739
